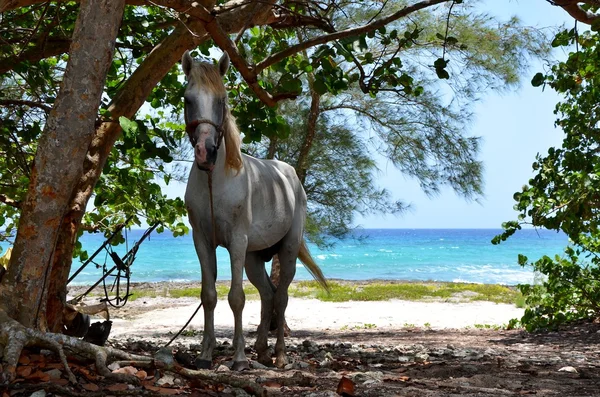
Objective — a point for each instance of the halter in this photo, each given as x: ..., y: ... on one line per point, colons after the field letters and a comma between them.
x: 192, y: 125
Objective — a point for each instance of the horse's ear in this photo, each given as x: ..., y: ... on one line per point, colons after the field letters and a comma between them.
x: 224, y: 64
x: 186, y: 63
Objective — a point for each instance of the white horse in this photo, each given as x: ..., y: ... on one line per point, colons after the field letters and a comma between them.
x: 259, y: 210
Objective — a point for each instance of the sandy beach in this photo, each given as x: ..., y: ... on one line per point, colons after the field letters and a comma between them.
x: 432, y: 348
x: 156, y: 317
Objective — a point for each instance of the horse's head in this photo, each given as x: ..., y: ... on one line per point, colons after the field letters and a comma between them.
x: 205, y: 107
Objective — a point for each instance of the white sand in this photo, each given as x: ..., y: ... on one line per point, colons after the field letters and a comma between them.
x: 312, y: 314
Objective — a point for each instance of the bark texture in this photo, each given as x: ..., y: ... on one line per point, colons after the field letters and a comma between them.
x: 59, y: 161
x: 126, y: 103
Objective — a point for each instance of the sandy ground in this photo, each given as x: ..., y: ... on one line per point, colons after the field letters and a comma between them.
x: 155, y: 316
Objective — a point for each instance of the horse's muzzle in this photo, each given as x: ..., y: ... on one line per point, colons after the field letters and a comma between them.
x: 205, y: 155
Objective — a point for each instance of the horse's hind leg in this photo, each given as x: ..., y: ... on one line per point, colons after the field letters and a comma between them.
x: 208, y: 263
x: 255, y: 270
x: 287, y: 258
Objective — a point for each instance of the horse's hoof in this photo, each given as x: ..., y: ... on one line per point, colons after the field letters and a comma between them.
x: 240, y: 366
x: 203, y: 364
x: 266, y: 361
x: 281, y: 362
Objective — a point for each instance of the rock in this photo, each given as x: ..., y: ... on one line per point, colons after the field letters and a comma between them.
x: 568, y: 369
x: 54, y: 374
x: 129, y: 370
x: 114, y: 366
x: 421, y: 357
x: 301, y: 365
x: 325, y: 363
x: 257, y: 365
x: 223, y: 368
x: 165, y: 355
x: 39, y: 393
x: 166, y: 380
x: 368, y: 377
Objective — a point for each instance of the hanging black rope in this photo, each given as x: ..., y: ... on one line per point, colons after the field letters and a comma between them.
x: 102, y: 247
x: 121, y: 266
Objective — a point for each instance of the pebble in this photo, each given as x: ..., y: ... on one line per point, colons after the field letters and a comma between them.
x: 257, y: 365
x: 39, y: 393
x: 368, y: 377
x: 165, y: 355
x: 223, y: 368
x: 113, y: 366
x: 568, y: 369
x: 167, y: 379
x: 421, y: 357
x: 54, y: 373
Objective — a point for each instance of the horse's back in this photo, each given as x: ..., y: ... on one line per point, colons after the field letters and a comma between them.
x: 278, y: 200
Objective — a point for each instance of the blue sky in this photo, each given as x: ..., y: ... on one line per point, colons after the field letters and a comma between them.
x: 514, y: 126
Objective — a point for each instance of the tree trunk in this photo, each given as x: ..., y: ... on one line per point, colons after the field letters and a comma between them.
x: 311, y: 131
x: 272, y: 148
x: 59, y: 162
x: 311, y: 125
x: 126, y: 103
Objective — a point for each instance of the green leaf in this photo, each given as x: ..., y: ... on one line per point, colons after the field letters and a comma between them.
x: 538, y: 79
x: 320, y: 87
x: 128, y: 126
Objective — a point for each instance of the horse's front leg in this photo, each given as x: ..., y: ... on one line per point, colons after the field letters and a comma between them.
x: 208, y: 263
x: 237, y: 300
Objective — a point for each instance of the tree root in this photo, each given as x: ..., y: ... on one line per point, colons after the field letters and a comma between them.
x: 14, y: 337
x: 225, y: 378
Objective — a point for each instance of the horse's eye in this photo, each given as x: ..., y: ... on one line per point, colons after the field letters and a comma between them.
x: 186, y: 100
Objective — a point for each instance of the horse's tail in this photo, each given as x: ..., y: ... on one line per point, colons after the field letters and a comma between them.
x: 310, y: 265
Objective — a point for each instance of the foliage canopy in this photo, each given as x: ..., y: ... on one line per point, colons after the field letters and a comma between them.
x: 412, y: 80
x: 564, y: 193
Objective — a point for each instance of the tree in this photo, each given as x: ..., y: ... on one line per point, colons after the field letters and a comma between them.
x: 563, y: 194
x: 366, y: 53
x: 70, y: 128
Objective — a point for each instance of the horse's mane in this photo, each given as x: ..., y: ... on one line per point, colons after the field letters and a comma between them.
x: 208, y: 76
x: 233, y: 152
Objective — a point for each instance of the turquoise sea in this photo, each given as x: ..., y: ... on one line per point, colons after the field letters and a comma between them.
x: 395, y: 254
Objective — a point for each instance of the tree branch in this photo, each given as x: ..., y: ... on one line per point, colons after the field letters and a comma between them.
x: 247, y: 72
x: 22, y: 102
x: 34, y: 54
x: 10, y: 202
x: 273, y: 59
x: 573, y: 8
